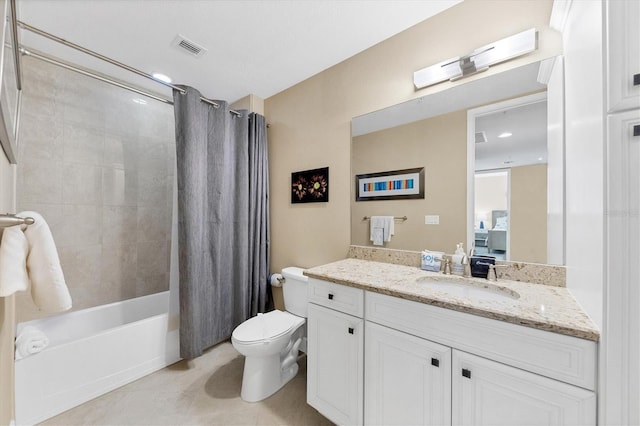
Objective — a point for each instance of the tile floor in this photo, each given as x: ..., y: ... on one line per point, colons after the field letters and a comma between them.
x: 205, y: 391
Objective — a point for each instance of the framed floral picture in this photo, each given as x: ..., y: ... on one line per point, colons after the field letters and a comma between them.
x: 310, y: 186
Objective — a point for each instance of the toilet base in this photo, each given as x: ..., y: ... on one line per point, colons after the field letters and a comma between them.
x: 264, y: 374
x: 263, y: 377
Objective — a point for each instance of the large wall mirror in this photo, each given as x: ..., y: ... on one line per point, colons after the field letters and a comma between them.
x: 501, y: 193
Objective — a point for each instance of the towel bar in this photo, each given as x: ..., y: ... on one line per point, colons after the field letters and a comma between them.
x: 9, y: 219
x: 403, y: 218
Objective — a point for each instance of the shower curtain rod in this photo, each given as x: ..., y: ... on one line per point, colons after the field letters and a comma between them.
x: 50, y: 60
x: 14, y: 38
x: 112, y: 62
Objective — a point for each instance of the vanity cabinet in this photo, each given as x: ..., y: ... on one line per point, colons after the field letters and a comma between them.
x: 500, y: 374
x: 335, y: 351
x: 376, y: 359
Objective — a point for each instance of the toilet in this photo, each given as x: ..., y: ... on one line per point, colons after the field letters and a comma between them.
x: 270, y: 342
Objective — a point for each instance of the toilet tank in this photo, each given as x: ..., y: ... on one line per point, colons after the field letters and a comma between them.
x: 294, y: 290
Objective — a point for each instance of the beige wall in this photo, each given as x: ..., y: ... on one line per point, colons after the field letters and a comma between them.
x: 528, y: 222
x: 438, y: 144
x: 310, y: 122
x: 7, y: 304
x: 252, y: 103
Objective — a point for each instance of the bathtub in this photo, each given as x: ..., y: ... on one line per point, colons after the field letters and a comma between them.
x: 92, y: 352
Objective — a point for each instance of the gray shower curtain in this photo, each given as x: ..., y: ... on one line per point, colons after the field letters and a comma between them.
x: 223, y: 219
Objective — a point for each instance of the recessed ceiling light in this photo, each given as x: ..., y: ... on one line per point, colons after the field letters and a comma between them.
x: 139, y: 101
x: 504, y: 134
x: 161, y: 77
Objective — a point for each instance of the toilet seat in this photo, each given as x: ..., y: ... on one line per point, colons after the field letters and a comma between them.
x: 266, y: 327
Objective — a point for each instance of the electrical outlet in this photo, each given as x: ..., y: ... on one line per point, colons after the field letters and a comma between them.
x: 432, y: 220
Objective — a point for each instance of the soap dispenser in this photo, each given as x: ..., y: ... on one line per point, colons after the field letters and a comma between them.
x: 458, y: 260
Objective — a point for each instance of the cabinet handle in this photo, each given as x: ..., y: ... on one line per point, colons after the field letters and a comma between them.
x: 466, y: 373
x: 636, y: 80
x: 636, y: 130
x: 435, y: 362
x: 330, y: 296
x: 351, y: 330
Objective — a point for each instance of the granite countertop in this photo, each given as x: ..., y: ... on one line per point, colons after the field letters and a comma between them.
x: 538, y: 306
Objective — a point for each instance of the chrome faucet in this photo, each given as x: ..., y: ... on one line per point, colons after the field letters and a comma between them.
x: 466, y: 264
x: 447, y: 266
x: 493, y: 272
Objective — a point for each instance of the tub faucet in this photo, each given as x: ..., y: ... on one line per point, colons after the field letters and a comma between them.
x: 493, y: 274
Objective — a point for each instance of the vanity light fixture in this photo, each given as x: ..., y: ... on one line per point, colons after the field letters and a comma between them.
x: 477, y: 61
x: 505, y: 135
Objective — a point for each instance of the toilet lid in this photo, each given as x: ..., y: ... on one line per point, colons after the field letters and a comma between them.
x: 266, y: 326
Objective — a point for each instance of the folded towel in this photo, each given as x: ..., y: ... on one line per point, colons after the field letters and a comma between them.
x: 48, y: 288
x: 377, y: 236
x: 386, y: 226
x: 30, y: 341
x: 390, y: 223
x: 13, y: 261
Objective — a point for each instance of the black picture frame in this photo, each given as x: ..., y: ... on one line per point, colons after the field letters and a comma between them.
x: 391, y: 185
x: 310, y: 186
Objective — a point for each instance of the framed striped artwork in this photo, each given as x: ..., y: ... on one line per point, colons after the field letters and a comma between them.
x: 393, y: 185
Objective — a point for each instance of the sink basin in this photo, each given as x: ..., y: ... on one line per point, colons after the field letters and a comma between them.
x: 470, y: 290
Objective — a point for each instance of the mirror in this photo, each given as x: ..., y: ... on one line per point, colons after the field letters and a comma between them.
x: 438, y: 132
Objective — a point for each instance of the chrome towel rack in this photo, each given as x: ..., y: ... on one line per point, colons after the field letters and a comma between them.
x: 8, y: 219
x: 402, y: 218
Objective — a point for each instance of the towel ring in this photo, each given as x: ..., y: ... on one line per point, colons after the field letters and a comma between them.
x: 8, y: 219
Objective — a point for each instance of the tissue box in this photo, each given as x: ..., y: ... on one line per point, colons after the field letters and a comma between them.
x: 431, y: 260
x: 480, y: 265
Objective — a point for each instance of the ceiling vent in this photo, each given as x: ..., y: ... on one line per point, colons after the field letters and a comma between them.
x: 188, y: 46
x: 481, y: 137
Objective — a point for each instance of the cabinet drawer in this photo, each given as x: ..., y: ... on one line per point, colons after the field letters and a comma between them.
x: 342, y: 298
x: 565, y: 358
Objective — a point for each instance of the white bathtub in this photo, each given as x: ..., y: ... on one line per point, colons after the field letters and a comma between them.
x: 94, y: 351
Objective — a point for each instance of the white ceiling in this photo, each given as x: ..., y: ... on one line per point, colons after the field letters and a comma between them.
x: 527, y: 144
x: 254, y: 47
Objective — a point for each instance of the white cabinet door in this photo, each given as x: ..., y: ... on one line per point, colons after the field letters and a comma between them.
x: 408, y: 379
x: 335, y: 365
x: 623, y: 35
x: 621, y: 384
x: 489, y: 393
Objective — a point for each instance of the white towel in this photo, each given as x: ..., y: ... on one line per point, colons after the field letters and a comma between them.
x: 30, y: 341
x: 382, y: 228
x: 13, y: 261
x: 377, y: 236
x: 48, y: 288
x: 390, y: 221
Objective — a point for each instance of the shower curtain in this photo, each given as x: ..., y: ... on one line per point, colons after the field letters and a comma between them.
x: 223, y: 219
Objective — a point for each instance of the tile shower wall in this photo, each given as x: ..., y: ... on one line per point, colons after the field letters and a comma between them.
x: 98, y: 162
